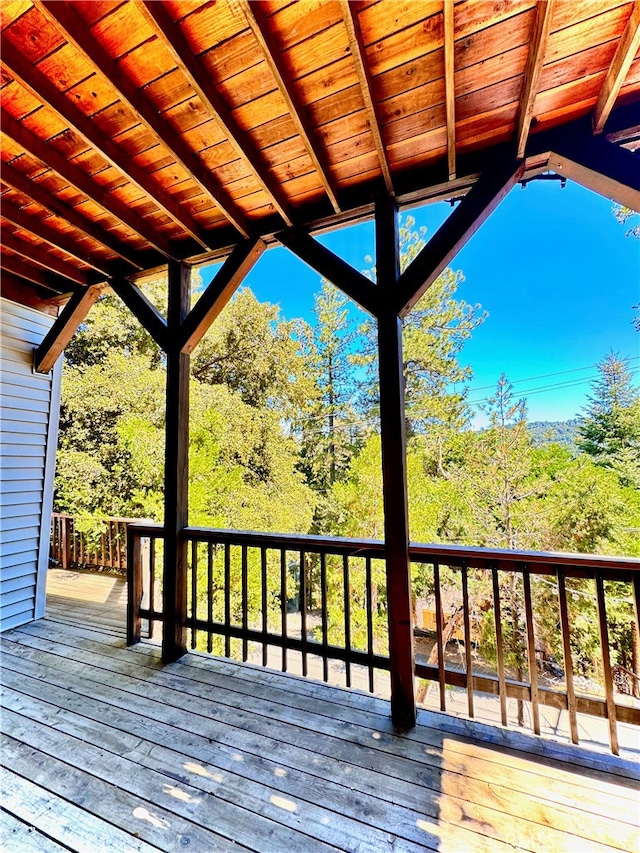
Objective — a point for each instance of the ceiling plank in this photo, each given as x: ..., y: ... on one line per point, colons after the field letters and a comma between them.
x: 625, y: 52
x: 77, y: 34
x: 449, y: 85
x: 535, y: 61
x: 256, y: 18
x: 333, y: 268
x: 359, y: 54
x: 193, y: 69
x: 481, y: 200
x: 142, y: 308
x: 16, y: 266
x: 64, y: 328
x: 81, y: 181
x: 220, y: 290
x: 20, y: 219
x: 41, y: 88
x: 19, y: 182
x: 37, y: 254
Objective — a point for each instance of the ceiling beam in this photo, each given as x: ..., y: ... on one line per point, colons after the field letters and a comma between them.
x: 142, y: 308
x: 218, y: 293
x: 64, y: 328
x: 449, y: 85
x: 474, y: 209
x: 17, y: 216
x: 192, y: 68
x: 355, y: 285
x: 618, y: 70
x: 537, y: 49
x: 17, y: 267
x: 77, y: 34
x: 38, y: 254
x: 359, y: 55
x: 22, y: 184
x: 43, y: 89
x: 81, y: 181
x: 256, y: 18
x: 600, y: 166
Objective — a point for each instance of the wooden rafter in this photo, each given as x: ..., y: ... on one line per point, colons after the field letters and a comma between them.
x: 462, y: 224
x: 17, y: 267
x: 198, y: 78
x: 535, y: 60
x: 76, y: 33
x: 19, y: 182
x: 142, y: 308
x: 64, y: 328
x: 218, y: 293
x: 334, y: 269
x: 32, y: 79
x: 39, y: 255
x: 359, y: 54
x: 256, y: 19
x: 17, y: 216
x: 81, y: 181
x: 449, y: 85
x: 618, y: 70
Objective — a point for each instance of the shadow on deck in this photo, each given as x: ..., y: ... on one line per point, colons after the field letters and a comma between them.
x: 104, y: 749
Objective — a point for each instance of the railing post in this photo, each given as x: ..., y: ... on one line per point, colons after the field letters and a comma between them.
x: 65, y: 544
x: 134, y: 586
x: 394, y: 471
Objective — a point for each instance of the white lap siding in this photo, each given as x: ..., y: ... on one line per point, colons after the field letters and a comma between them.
x: 29, y: 408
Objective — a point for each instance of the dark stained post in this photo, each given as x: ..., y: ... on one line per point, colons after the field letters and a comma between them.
x: 394, y: 472
x: 176, y: 474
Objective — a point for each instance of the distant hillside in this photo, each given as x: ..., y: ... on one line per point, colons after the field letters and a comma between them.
x: 562, y: 432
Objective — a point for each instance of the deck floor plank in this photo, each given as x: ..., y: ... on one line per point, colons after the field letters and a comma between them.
x: 229, y: 756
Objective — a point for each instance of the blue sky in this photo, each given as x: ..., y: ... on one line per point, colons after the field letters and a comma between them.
x: 552, y: 267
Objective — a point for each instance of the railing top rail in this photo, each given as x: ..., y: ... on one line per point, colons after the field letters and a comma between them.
x: 420, y: 552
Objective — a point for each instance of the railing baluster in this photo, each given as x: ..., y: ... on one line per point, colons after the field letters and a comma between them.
x: 369, y: 622
x: 209, y: 595
x: 119, y: 540
x: 194, y: 590
x: 263, y: 575
x: 323, y: 605
x: 439, y: 639
x: 531, y: 649
x: 502, y: 686
x: 303, y: 611
x: 467, y: 637
x: 606, y: 664
x: 567, y: 657
x: 347, y: 617
x: 283, y: 605
x: 227, y: 598
x: 245, y: 603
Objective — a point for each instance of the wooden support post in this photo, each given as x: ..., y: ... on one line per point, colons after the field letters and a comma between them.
x: 394, y: 473
x: 176, y: 475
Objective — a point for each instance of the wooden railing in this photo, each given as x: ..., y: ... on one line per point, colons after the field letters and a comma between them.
x: 106, y: 548
x: 318, y: 605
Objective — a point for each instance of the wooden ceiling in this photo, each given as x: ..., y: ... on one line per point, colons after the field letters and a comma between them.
x: 138, y: 131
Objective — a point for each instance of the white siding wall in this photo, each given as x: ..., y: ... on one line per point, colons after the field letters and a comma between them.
x: 29, y: 407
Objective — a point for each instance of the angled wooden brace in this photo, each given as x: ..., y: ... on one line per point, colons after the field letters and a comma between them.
x: 355, y: 285
x: 64, y: 328
x: 219, y: 291
x: 144, y: 310
x: 481, y: 200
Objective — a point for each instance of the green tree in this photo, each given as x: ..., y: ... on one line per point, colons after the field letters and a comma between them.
x: 610, y: 432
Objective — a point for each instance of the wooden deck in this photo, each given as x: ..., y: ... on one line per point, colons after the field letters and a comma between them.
x: 103, y: 749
